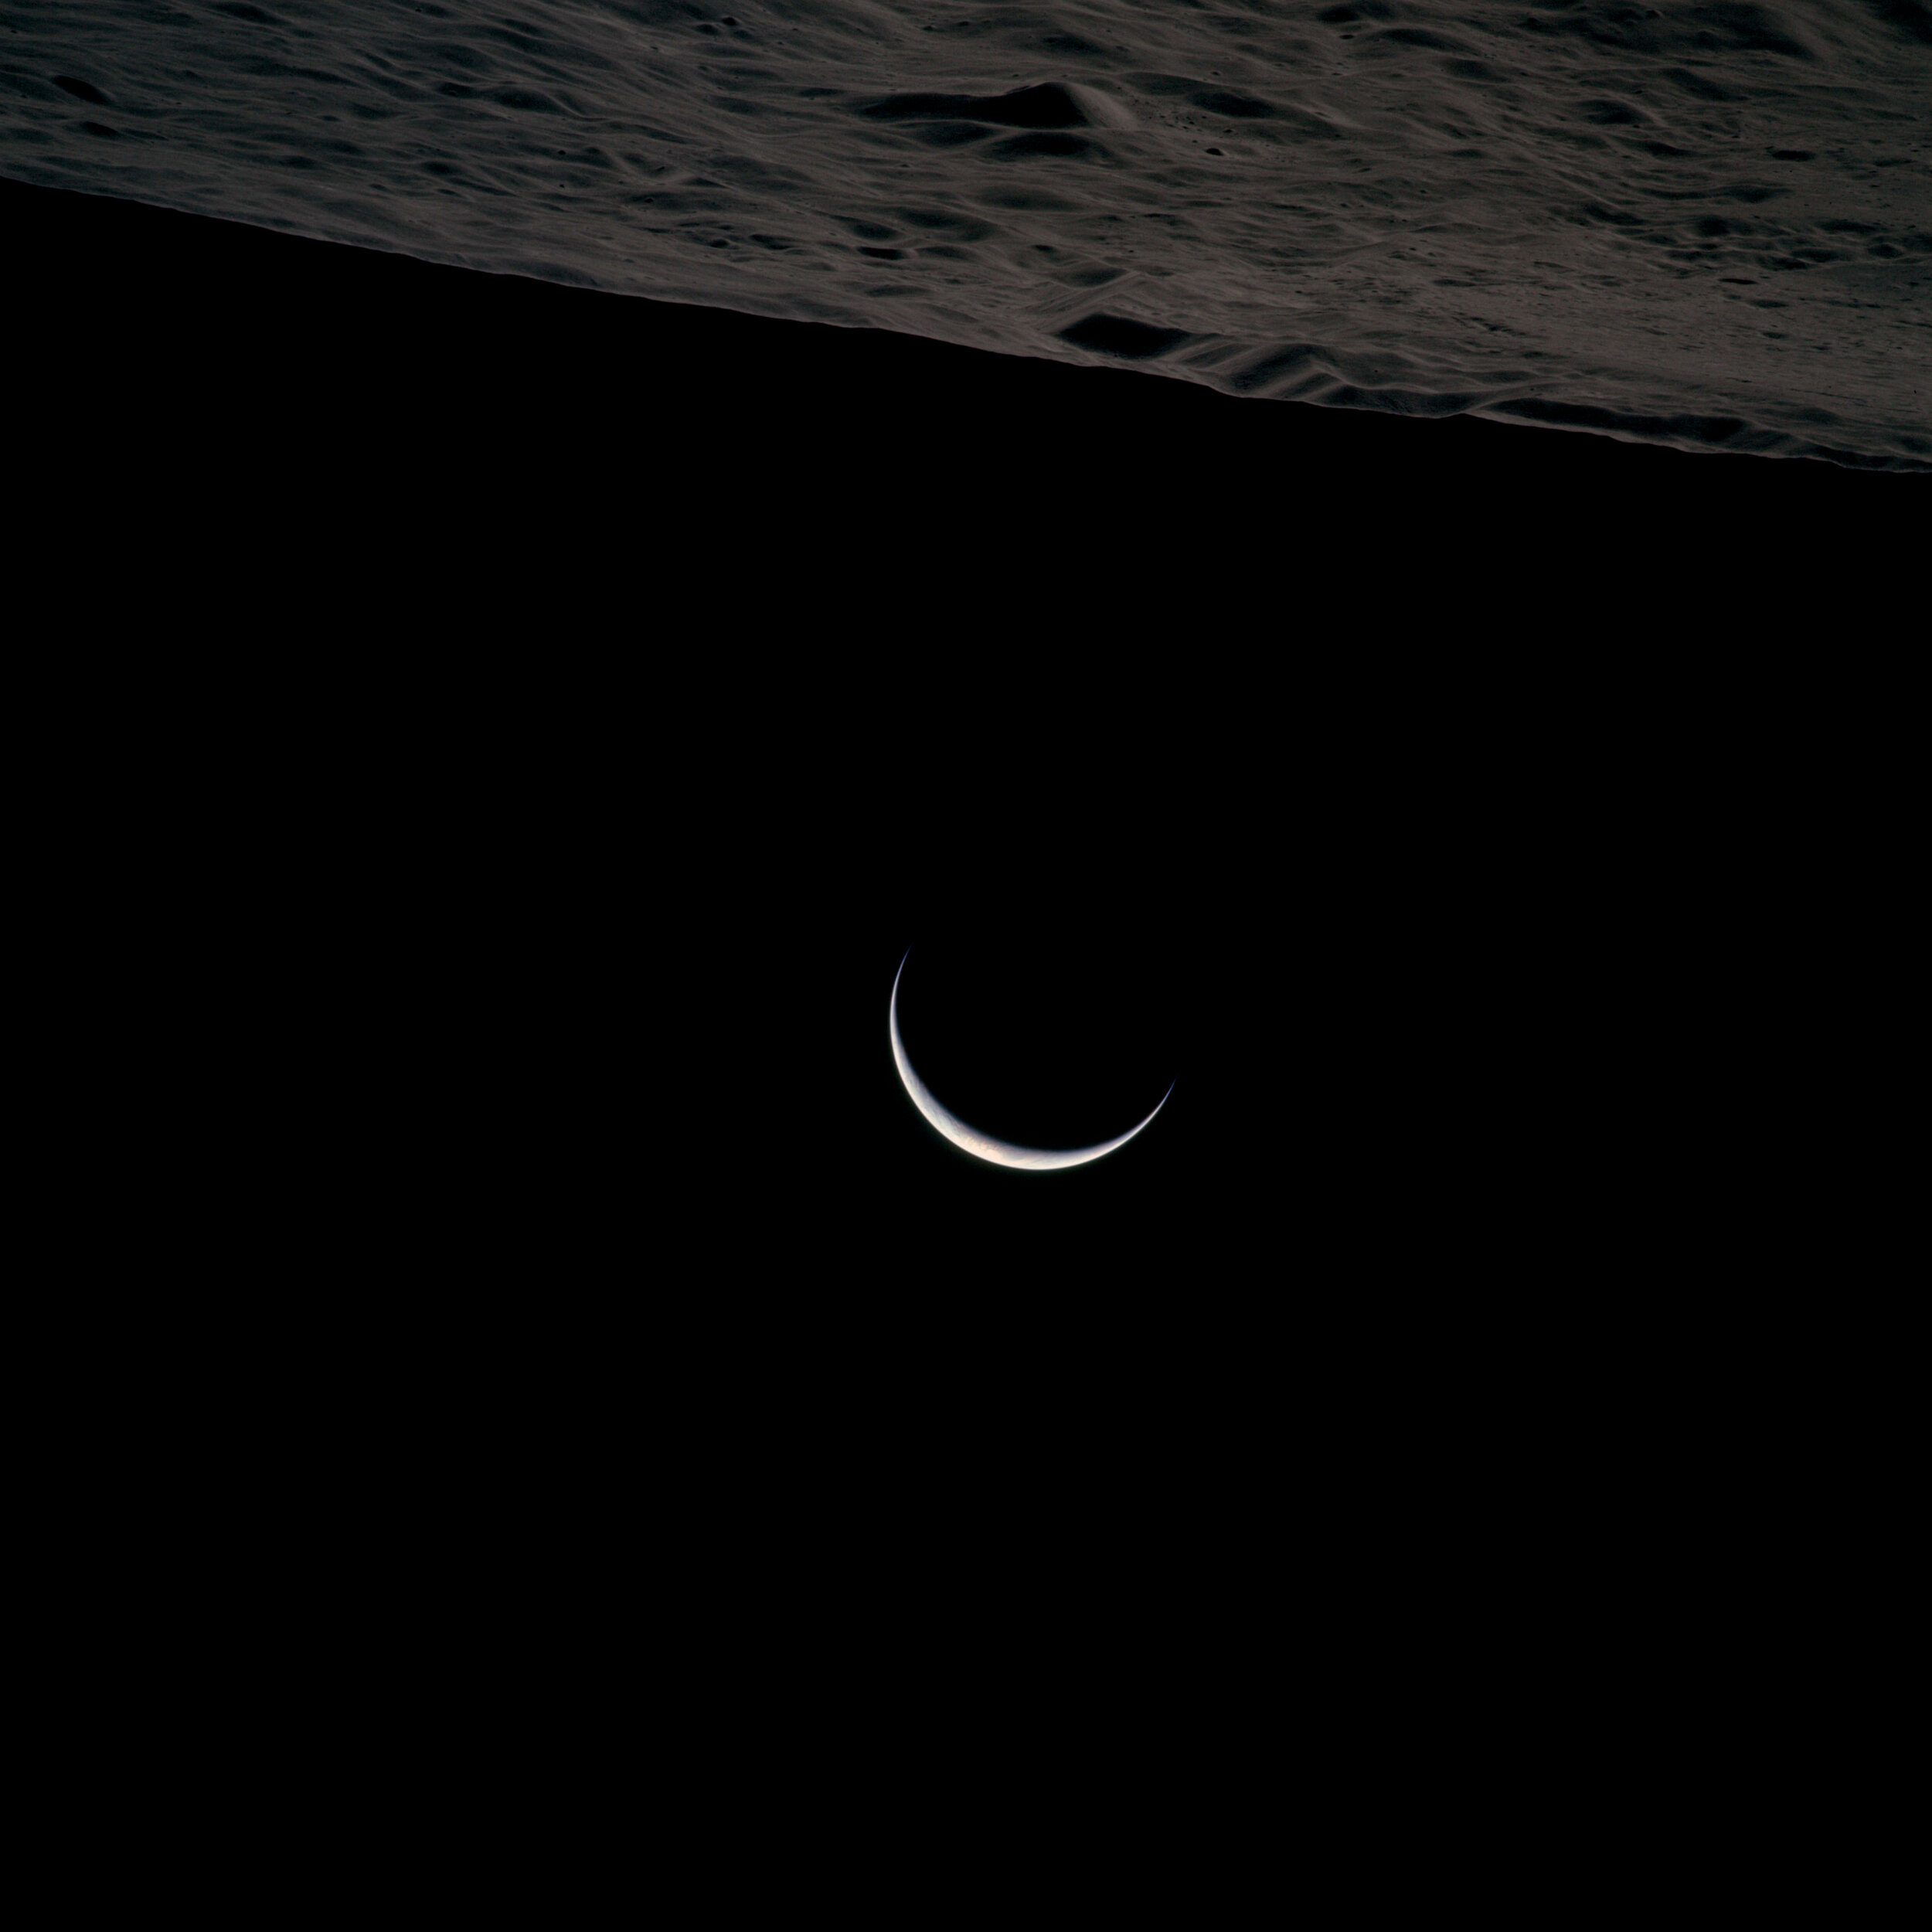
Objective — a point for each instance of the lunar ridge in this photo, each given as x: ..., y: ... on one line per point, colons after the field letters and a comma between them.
x: 985, y: 1146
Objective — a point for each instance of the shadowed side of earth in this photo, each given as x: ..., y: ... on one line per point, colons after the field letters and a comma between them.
x: 1045, y: 1030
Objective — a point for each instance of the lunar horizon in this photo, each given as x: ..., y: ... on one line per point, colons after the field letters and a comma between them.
x: 1703, y: 223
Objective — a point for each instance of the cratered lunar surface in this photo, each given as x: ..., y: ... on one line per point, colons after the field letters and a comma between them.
x: 1702, y: 222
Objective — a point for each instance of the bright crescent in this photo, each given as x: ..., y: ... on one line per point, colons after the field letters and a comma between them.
x: 1001, y: 1153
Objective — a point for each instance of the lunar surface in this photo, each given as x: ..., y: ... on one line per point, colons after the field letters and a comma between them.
x: 1001, y: 1153
x: 1705, y: 222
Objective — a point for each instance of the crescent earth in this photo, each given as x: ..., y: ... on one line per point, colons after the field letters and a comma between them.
x: 1001, y: 1153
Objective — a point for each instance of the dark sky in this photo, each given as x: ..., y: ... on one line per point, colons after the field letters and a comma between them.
x: 683, y: 669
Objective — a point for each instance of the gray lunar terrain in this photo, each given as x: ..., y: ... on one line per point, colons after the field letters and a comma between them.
x: 1703, y: 222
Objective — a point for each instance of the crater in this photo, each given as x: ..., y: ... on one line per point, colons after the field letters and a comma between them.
x: 1421, y: 37
x: 1122, y: 335
x: 1048, y: 143
x: 1699, y: 84
x: 1051, y: 103
x: 950, y: 134
x: 1235, y: 107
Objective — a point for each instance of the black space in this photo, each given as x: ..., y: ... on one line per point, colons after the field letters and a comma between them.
x: 230, y: 412
x: 537, y: 723
x: 487, y: 747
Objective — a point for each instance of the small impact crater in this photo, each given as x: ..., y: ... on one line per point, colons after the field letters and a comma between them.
x: 1053, y: 103
x: 1051, y: 142
x: 950, y: 134
x: 1234, y: 107
x: 1122, y: 335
